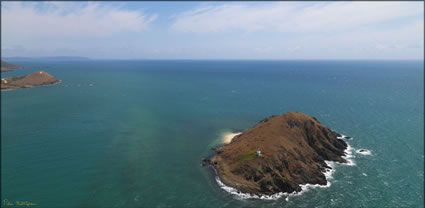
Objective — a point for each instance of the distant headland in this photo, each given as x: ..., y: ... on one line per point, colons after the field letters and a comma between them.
x: 5, y: 66
x: 46, y: 58
x: 26, y: 81
x: 29, y: 80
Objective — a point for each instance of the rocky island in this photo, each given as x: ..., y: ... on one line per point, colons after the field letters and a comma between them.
x: 28, y: 80
x: 278, y: 154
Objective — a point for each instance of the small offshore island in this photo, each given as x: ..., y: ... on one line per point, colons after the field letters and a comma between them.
x: 278, y: 154
x: 28, y: 80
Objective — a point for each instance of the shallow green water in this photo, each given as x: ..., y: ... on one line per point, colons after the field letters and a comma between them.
x: 132, y: 133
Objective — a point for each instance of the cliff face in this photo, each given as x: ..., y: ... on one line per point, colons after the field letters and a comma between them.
x: 294, y: 147
x: 29, y: 80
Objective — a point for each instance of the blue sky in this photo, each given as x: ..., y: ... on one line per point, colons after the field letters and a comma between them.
x: 214, y: 30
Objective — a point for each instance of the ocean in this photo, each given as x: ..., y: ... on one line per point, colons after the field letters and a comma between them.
x: 123, y: 133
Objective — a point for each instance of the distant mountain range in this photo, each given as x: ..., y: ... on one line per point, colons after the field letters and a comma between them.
x: 47, y: 58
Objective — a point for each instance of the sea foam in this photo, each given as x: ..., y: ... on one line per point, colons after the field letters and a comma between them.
x: 364, y: 152
x: 348, y: 153
x: 304, y: 187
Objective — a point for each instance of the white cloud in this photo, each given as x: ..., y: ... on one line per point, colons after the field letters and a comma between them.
x: 404, y: 36
x: 65, y: 19
x: 278, y: 30
x: 291, y: 17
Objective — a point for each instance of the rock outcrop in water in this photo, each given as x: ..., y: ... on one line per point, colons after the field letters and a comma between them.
x: 293, y: 149
x: 29, y: 80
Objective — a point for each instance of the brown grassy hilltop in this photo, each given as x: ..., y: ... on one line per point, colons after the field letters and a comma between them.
x: 29, y: 80
x: 294, y: 147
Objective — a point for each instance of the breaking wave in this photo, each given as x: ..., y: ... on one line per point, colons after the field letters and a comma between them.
x: 304, y: 187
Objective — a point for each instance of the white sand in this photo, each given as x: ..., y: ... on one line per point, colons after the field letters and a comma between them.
x: 228, y: 136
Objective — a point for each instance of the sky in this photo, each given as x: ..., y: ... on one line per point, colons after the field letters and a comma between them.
x: 214, y: 30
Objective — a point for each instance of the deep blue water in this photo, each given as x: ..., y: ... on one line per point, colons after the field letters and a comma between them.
x: 132, y: 133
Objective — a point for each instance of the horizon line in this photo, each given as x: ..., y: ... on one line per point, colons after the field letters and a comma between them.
x: 213, y: 59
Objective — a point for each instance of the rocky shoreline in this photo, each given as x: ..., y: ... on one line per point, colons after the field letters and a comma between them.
x: 280, y: 154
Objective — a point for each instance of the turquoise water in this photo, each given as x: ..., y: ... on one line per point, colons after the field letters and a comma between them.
x: 132, y: 133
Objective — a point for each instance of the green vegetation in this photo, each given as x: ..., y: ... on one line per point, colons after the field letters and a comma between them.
x: 247, y: 156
